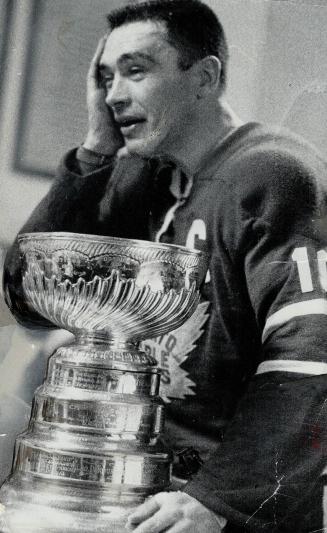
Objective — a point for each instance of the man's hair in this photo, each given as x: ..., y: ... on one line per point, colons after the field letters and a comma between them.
x: 193, y: 28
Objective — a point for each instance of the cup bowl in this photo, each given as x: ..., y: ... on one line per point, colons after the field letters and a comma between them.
x: 108, y: 286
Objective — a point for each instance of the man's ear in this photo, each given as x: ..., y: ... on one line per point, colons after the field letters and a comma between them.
x: 209, y: 69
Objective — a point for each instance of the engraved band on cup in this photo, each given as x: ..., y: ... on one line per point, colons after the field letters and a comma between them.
x: 111, y: 417
x: 132, y: 470
x: 103, y: 379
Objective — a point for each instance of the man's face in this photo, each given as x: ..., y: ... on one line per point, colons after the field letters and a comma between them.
x: 151, y: 97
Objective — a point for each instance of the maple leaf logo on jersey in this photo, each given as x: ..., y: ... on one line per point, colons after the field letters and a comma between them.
x: 172, y: 349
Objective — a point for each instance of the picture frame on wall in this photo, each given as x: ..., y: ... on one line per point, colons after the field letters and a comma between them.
x: 6, y: 14
x: 52, y: 117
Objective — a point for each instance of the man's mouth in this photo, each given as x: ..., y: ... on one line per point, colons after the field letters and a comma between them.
x: 129, y: 124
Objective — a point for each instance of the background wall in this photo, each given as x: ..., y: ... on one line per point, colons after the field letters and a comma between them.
x: 294, y: 70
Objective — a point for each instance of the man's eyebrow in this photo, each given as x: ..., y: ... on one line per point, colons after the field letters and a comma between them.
x: 136, y: 55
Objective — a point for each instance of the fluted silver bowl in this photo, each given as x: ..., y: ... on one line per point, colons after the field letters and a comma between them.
x: 111, y: 287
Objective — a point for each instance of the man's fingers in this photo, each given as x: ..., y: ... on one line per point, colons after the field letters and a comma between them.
x: 183, y: 526
x: 157, y: 523
x: 93, y: 71
x: 99, y: 49
x: 144, y: 511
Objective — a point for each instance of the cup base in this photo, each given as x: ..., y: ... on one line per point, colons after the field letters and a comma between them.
x: 62, y: 509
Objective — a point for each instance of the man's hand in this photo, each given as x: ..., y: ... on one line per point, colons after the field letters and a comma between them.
x: 103, y: 136
x: 174, y: 512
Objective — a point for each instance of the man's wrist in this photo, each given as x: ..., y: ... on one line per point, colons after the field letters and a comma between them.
x: 91, y: 157
x: 103, y: 144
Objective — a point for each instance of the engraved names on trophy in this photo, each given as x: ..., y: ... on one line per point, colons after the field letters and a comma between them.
x: 113, y: 417
x: 102, y: 379
x: 117, y: 469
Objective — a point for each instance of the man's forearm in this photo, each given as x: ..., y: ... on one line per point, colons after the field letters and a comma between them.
x: 268, y: 465
x: 71, y: 205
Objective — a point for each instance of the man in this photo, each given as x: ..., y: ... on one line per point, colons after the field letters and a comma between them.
x: 165, y: 158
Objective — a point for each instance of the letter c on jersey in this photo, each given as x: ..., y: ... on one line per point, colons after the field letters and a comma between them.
x: 198, y: 230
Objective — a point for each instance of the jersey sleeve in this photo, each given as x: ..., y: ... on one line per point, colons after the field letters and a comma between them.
x: 266, y: 474
x: 107, y: 201
x: 283, y: 242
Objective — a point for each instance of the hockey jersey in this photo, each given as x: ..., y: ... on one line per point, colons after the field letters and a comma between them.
x: 244, y: 380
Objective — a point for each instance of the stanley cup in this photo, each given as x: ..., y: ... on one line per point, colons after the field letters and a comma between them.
x: 93, y: 451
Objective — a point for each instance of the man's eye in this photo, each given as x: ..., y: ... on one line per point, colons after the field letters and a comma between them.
x: 107, y: 82
x: 136, y: 72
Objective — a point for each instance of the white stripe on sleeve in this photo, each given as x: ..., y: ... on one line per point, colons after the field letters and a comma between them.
x: 284, y: 315
x: 312, y: 368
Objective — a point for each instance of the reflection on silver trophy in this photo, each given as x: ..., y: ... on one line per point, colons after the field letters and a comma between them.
x: 92, y: 450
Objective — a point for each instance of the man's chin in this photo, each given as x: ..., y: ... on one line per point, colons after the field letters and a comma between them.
x: 141, y: 148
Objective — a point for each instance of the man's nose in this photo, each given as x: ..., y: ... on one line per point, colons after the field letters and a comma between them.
x: 118, y: 95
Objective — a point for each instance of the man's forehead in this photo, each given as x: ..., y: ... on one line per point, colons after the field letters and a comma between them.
x: 140, y: 36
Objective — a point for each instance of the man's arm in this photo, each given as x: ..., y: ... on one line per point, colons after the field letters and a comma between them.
x: 71, y: 205
x: 103, y: 135
x: 265, y: 476
x: 113, y: 200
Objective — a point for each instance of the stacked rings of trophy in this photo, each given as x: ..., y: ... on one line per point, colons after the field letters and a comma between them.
x: 93, y: 450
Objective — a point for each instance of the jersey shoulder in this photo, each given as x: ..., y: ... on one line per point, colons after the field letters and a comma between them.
x: 273, y: 183
x: 272, y: 171
x: 273, y: 157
